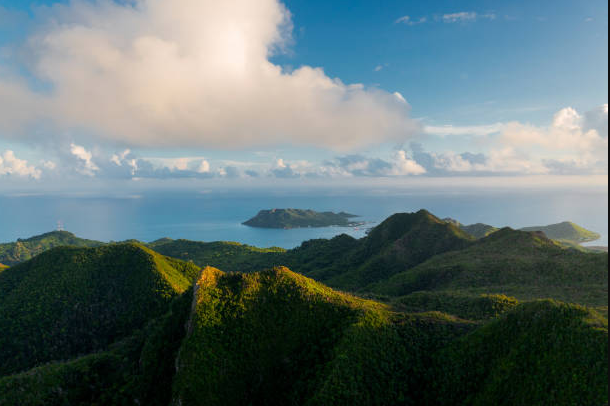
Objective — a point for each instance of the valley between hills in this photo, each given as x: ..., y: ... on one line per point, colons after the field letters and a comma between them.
x: 421, y: 311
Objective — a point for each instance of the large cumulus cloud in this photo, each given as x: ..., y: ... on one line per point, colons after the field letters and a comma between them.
x: 188, y: 73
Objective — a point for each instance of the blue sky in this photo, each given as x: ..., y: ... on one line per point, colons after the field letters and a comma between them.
x: 449, y: 89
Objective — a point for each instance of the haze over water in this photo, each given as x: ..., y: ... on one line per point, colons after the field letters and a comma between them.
x: 217, y: 216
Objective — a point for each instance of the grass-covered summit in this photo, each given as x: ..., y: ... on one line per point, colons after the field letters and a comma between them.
x: 73, y: 301
x: 23, y: 249
x: 297, y: 218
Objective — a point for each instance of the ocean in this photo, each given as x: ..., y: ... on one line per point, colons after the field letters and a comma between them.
x: 217, y: 216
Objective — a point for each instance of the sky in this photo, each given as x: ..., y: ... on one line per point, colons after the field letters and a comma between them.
x: 194, y: 93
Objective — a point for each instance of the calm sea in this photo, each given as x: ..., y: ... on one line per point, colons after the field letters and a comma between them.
x: 218, y: 216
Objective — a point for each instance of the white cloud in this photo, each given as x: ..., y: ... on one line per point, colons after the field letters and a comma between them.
x: 86, y: 164
x: 570, y: 131
x: 204, y: 167
x: 466, y: 16
x: 11, y: 165
x: 150, y: 73
x: 403, y: 165
x: 463, y: 16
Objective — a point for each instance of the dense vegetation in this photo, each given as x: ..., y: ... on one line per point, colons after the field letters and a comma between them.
x: 515, y: 263
x: 542, y: 353
x: 478, y: 230
x: 228, y: 256
x: 470, y: 307
x: 296, y: 218
x: 22, y: 250
x: 277, y: 338
x: 458, y: 322
x: 72, y: 301
x: 135, y: 370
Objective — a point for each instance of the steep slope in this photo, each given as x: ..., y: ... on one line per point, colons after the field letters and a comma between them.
x: 566, y: 232
x: 541, y: 353
x: 71, y: 301
x: 520, y: 264
x: 276, y: 337
x: 22, y: 250
x: 136, y: 370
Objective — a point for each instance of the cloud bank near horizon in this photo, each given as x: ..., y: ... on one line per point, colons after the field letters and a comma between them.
x: 573, y: 144
x: 146, y: 73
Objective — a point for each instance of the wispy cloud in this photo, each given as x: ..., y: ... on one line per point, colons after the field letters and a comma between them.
x: 466, y: 16
x: 410, y: 21
x: 478, y: 130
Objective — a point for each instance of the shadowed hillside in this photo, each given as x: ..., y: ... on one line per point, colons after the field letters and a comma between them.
x: 228, y: 256
x: 72, y: 301
x: 516, y: 263
x: 541, y: 353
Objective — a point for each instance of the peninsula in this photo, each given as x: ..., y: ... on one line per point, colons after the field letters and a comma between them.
x: 298, y: 218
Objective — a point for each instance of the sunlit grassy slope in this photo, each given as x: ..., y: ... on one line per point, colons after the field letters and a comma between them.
x: 566, y: 232
x: 276, y: 337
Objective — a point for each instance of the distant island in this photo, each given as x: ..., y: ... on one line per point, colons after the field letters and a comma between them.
x: 298, y: 218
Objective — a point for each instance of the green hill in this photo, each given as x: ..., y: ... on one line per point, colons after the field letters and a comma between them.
x: 400, y: 242
x: 297, y: 218
x: 278, y: 338
x: 71, y: 301
x: 566, y: 232
x: 478, y: 230
x: 541, y: 353
x: 516, y: 263
x: 22, y: 250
